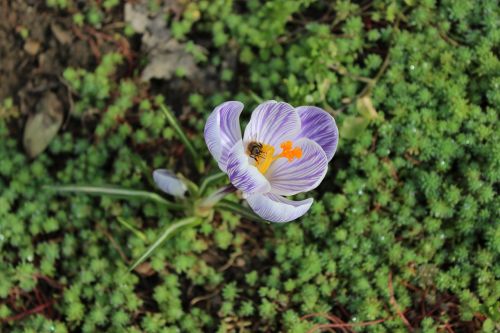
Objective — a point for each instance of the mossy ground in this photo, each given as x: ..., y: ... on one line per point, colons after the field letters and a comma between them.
x: 404, y: 234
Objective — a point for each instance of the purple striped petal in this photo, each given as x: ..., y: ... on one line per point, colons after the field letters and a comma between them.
x: 272, y: 123
x: 245, y: 176
x: 275, y: 208
x: 318, y: 125
x: 222, y: 131
x: 300, y: 175
x: 169, y: 183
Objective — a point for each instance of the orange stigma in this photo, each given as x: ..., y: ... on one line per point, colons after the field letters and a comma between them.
x: 289, y: 152
x: 267, y: 158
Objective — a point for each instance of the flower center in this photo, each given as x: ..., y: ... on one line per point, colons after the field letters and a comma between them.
x: 264, y: 156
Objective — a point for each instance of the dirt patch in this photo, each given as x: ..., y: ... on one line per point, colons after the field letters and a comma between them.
x: 36, y: 47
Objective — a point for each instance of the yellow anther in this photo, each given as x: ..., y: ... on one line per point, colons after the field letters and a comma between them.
x: 267, y: 156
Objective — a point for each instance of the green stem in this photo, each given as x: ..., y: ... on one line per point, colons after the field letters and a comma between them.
x: 233, y: 207
x: 211, y: 200
x: 117, y: 192
x: 210, y: 180
x: 189, y: 221
x: 183, y: 137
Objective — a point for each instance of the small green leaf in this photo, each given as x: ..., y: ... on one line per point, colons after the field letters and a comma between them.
x: 189, y: 221
x: 391, y: 12
x: 256, y: 97
x: 353, y: 126
x: 365, y: 108
x: 209, y: 180
x: 145, y: 169
x: 183, y: 137
x: 130, y: 227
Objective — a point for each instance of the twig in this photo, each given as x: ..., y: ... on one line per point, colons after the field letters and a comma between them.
x: 93, y: 45
x: 205, y: 297
x: 396, y: 306
x: 392, y: 169
x: 5, y: 6
x: 447, y: 327
x: 343, y: 71
x: 411, y: 159
x: 336, y: 320
x: 372, y: 82
x: 346, y: 325
x: 114, y: 244
x: 36, y: 309
x: 230, y: 262
x: 53, y: 283
x: 70, y: 100
x: 445, y: 37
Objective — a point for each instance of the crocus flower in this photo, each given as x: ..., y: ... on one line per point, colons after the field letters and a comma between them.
x: 169, y: 183
x: 284, y: 151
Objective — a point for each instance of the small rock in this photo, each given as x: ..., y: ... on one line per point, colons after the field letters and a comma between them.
x: 145, y: 269
x: 31, y: 47
x: 137, y: 16
x: 62, y: 35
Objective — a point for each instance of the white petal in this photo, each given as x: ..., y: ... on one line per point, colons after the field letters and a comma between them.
x: 319, y: 126
x: 169, y: 183
x: 222, y: 130
x: 272, y: 123
x: 275, y: 208
x: 299, y: 175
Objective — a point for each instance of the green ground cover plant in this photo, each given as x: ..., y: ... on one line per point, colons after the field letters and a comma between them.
x: 404, y: 234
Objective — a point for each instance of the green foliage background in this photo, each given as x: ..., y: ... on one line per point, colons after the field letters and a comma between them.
x: 405, y: 228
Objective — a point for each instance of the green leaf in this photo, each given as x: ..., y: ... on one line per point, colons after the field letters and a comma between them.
x: 212, y: 179
x: 130, y: 227
x: 114, y: 191
x: 353, y: 126
x: 391, y: 12
x: 365, y: 108
x: 189, y: 221
x: 256, y: 97
x: 145, y: 169
x: 183, y: 137
x: 236, y: 208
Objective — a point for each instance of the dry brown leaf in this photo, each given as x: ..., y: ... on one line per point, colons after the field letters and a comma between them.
x: 42, y: 126
x: 62, y: 35
x: 166, y: 55
x: 31, y: 47
x: 365, y: 107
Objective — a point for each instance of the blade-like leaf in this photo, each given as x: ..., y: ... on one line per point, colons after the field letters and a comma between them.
x: 211, y: 200
x: 211, y: 180
x: 189, y: 221
x: 235, y: 208
x: 130, y: 227
x: 114, y: 191
x: 182, y: 136
x: 144, y: 168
